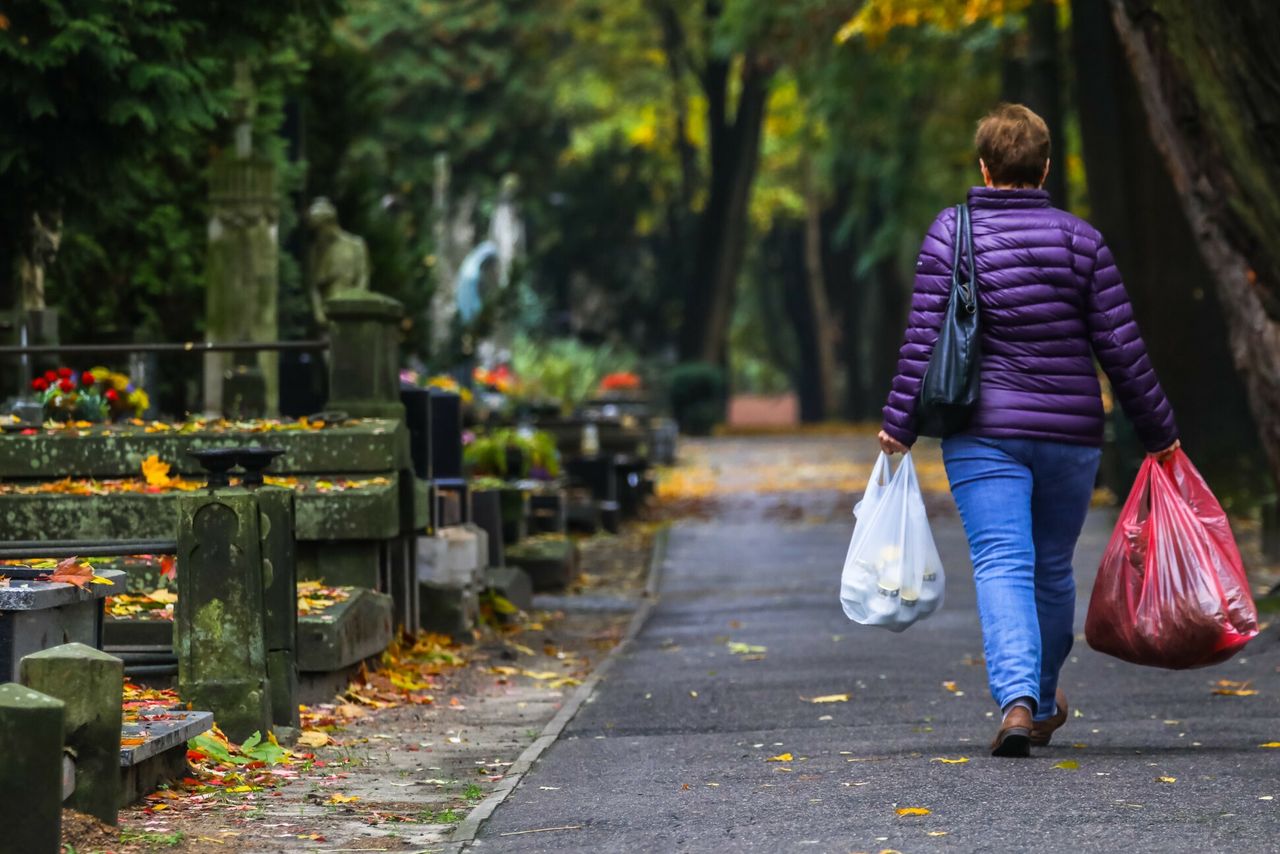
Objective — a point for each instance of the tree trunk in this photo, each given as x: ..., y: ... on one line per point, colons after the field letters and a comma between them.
x: 735, y: 152
x: 815, y: 283
x: 1031, y: 74
x: 1135, y: 205
x: 1208, y: 77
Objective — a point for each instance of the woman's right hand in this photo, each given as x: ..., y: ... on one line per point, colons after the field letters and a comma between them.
x: 890, y: 445
x: 1161, y: 456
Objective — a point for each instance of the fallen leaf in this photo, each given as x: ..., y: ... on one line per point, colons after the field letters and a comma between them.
x: 339, y: 798
x: 1167, y: 779
x: 781, y: 757
x: 1068, y: 765
x: 912, y: 811
x: 1270, y: 744
x: 937, y: 833
x: 1231, y: 688
x: 950, y: 686
x: 313, y: 738
x: 736, y: 648
x: 73, y: 571
x: 156, y: 471
x: 831, y: 698
x: 945, y: 761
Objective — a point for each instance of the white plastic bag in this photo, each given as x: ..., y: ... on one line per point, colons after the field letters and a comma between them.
x: 892, y: 573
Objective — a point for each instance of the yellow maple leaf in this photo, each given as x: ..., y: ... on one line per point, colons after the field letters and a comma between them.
x: 912, y: 811
x: 1167, y: 779
x: 156, y: 471
x: 1270, y: 744
x: 781, y: 757
x: 1067, y: 765
x: 313, y: 738
x: 831, y: 698
x: 339, y: 798
x: 945, y: 761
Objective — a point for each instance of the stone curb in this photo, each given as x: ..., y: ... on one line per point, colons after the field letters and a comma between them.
x: 466, y: 831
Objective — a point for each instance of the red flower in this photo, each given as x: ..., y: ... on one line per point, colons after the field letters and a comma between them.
x: 112, y: 395
x: 87, y: 378
x: 67, y: 386
x: 39, y: 383
x: 64, y: 373
x: 51, y: 376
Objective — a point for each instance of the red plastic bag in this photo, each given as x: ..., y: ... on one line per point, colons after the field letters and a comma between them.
x: 1171, y: 590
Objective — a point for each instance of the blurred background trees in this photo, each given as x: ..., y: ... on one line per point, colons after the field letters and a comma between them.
x: 736, y: 184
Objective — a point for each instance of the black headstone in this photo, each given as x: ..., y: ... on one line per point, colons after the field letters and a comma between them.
x: 417, y: 414
x: 445, y: 435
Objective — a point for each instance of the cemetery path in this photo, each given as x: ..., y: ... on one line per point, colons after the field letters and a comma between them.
x: 672, y: 752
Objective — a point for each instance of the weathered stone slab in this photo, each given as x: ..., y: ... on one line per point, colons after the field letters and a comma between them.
x: 37, y: 615
x: 159, y: 730
x: 161, y: 755
x: 31, y: 772
x: 550, y: 560
x: 364, y: 513
x: 450, y: 609
x: 511, y: 584
x: 346, y: 633
x: 360, y: 447
x: 90, y: 683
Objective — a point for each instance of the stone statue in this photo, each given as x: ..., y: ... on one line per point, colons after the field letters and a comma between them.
x: 471, y: 295
x: 339, y: 260
x: 39, y: 250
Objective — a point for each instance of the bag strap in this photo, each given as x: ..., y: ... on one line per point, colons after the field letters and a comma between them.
x: 967, y: 291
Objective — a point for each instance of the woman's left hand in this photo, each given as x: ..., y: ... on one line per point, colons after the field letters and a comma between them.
x: 1161, y: 456
x: 890, y: 445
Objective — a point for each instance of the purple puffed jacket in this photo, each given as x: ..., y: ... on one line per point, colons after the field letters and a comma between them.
x: 1050, y: 299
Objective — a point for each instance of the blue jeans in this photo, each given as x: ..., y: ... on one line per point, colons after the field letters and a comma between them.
x: 1023, y: 503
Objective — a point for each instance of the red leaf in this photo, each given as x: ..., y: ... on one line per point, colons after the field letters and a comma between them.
x: 72, y: 571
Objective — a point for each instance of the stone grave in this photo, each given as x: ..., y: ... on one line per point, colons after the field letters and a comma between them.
x: 38, y: 614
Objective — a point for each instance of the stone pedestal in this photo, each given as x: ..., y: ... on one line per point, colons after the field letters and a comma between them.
x: 90, y: 684
x: 31, y: 773
x: 364, y: 354
x: 243, y: 270
x: 219, y: 619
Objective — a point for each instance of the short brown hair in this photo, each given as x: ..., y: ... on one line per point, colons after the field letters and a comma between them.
x: 1014, y: 143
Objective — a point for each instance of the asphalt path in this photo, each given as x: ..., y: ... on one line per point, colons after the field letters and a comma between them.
x: 672, y: 752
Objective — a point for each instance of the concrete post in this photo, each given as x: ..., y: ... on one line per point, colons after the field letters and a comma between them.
x: 31, y: 773
x: 220, y: 618
x: 90, y: 683
x: 364, y: 354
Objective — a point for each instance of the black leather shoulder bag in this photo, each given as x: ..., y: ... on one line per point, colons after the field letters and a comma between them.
x: 949, y: 392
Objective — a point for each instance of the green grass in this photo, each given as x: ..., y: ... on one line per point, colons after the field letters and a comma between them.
x: 473, y: 793
x: 152, y: 840
x: 447, y: 816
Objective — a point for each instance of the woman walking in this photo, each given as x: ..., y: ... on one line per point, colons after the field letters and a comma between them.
x: 1022, y: 473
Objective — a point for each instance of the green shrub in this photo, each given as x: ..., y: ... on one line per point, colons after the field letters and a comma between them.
x: 697, y: 396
